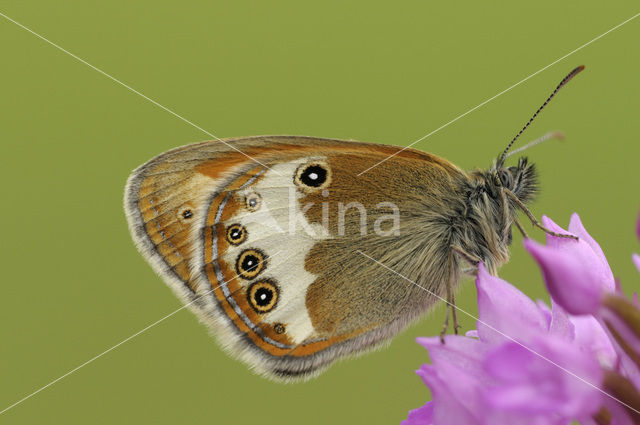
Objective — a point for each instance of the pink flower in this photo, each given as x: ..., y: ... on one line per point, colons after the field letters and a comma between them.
x: 473, y: 382
x: 530, y: 364
x: 499, y: 379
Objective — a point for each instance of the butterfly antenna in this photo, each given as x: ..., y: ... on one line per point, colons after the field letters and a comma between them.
x: 564, y: 81
x: 558, y: 135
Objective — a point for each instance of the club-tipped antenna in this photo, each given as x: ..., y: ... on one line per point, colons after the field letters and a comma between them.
x: 558, y: 135
x: 564, y: 81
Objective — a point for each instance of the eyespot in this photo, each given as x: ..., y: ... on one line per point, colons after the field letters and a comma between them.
x: 263, y: 297
x: 279, y: 328
x: 253, y: 201
x: 236, y: 234
x: 313, y: 176
x: 185, y: 213
x: 250, y: 263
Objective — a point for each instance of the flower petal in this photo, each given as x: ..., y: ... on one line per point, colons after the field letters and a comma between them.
x: 591, y: 337
x: 546, y: 311
x: 453, y: 394
x: 420, y: 416
x: 561, y: 324
x: 586, y: 247
x: 553, y: 240
x: 465, y: 352
x: 636, y: 260
x: 503, y: 310
x: 570, y: 275
x: 576, y: 227
x: 548, y: 377
x: 584, y: 332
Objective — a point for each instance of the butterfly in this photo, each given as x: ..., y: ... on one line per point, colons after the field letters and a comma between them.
x: 276, y: 242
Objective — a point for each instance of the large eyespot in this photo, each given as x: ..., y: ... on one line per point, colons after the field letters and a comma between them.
x: 263, y: 296
x: 250, y: 263
x: 236, y: 234
x: 253, y: 202
x: 313, y: 176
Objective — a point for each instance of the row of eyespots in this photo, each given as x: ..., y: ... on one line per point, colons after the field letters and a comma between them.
x: 262, y: 294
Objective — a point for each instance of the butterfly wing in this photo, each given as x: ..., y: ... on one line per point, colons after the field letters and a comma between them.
x: 267, y: 238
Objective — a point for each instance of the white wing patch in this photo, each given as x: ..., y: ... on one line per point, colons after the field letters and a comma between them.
x: 280, y: 230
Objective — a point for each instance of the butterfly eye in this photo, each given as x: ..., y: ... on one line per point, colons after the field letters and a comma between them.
x: 250, y: 263
x: 253, y: 202
x: 506, y: 178
x: 314, y: 175
x: 236, y: 234
x: 263, y: 297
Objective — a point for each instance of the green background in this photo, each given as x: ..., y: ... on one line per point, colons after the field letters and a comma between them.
x: 73, y: 284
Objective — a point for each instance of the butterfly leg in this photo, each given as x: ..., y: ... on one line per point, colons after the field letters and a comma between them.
x: 450, y: 310
x: 533, y: 219
x: 469, y: 258
x: 454, y: 313
x: 451, y: 297
x: 445, y: 325
x: 519, y: 226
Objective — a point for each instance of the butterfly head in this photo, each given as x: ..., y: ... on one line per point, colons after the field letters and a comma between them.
x: 493, y: 198
x: 521, y: 179
x: 497, y: 186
